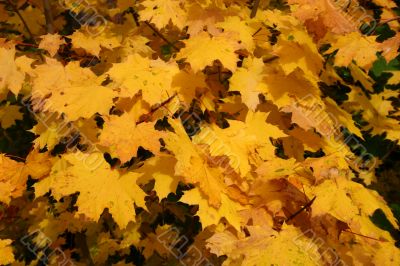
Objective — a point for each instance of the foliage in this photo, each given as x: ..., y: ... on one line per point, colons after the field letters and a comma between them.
x: 226, y: 132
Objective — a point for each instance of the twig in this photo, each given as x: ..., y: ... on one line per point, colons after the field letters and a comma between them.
x: 369, y: 237
x: 49, y: 16
x: 390, y: 150
x: 257, y: 31
x: 388, y: 20
x: 26, y: 44
x: 302, y: 209
x: 255, y: 8
x: 272, y: 58
x: 147, y: 116
x: 159, y: 34
x: 81, y: 244
x: 15, y: 10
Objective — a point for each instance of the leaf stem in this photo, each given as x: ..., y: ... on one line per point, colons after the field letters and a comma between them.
x: 159, y: 34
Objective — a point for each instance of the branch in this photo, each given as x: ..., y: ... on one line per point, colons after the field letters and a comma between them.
x: 159, y: 34
x: 302, y: 209
x: 255, y: 8
x: 15, y: 10
x: 49, y: 16
x: 389, y: 20
x: 81, y: 244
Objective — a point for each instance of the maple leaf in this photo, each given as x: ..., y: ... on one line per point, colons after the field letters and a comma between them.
x: 93, y: 44
x: 243, y: 118
x: 37, y: 165
x: 200, y: 17
x: 51, y: 43
x: 248, y: 81
x: 152, y: 77
x: 161, y: 169
x: 389, y: 47
x: 152, y: 243
x: 6, y: 252
x: 73, y: 90
x: 296, y: 49
x: 239, y: 30
x: 354, y: 46
x: 9, y: 114
x: 186, y: 84
x: 202, y: 50
x: 161, y: 13
x: 192, y: 165
x: 379, y: 124
x: 49, y: 131
x: 210, y: 215
x: 246, y: 251
x: 12, y: 71
x: 33, y: 17
x: 13, y: 180
x: 99, y: 187
x: 321, y: 16
x: 239, y: 140
x: 124, y: 137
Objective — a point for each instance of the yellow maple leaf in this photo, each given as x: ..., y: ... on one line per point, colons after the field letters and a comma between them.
x: 93, y: 44
x: 9, y: 114
x: 186, y: 83
x: 201, y: 16
x: 124, y: 137
x: 378, y: 123
x: 354, y: 46
x: 74, y: 91
x: 33, y: 16
x: 395, y: 78
x: 248, y: 80
x: 246, y: 251
x: 12, y: 180
x: 51, y: 43
x: 192, y: 164
x: 100, y: 187
x: 6, y: 252
x: 239, y: 30
x: 38, y: 165
x: 381, y: 103
x: 161, y: 13
x: 390, y: 46
x: 49, y: 131
x: 210, y: 215
x: 351, y: 203
x: 202, y: 50
x: 161, y: 169
x: 322, y: 16
x: 296, y: 49
x: 232, y: 142
x: 240, y: 140
x: 12, y: 71
x: 152, y: 77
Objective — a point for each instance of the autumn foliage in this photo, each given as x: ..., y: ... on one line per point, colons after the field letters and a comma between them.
x: 199, y: 132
